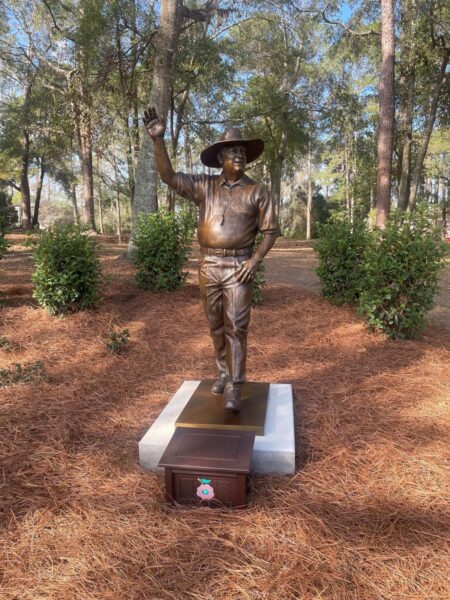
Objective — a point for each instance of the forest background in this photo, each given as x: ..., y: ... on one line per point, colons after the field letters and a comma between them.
x: 315, y: 80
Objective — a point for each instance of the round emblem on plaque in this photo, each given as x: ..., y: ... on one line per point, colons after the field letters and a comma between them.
x: 204, y: 490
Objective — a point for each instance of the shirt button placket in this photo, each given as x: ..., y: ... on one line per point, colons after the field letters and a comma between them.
x: 225, y: 203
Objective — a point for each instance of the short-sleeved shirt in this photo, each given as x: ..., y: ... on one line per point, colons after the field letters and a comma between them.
x: 231, y: 214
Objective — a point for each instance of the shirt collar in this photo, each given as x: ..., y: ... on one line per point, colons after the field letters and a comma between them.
x: 243, y: 181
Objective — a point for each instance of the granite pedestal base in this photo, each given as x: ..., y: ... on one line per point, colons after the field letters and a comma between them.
x: 272, y: 453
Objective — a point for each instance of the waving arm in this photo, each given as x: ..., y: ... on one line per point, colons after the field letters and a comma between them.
x: 155, y: 128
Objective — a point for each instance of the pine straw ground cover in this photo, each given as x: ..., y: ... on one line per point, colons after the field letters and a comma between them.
x: 364, y: 517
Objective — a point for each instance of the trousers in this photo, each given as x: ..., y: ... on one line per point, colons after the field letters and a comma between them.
x: 227, y: 304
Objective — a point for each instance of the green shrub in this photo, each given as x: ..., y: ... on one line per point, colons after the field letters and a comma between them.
x: 259, y: 283
x: 401, y: 274
x: 162, y: 244
x: 67, y: 276
x: 259, y: 280
x: 117, y: 340
x: 341, y: 249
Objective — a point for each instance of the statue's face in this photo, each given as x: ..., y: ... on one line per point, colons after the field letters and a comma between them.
x: 233, y: 160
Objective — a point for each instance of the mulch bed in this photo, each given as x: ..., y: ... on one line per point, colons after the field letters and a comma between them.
x: 365, y: 516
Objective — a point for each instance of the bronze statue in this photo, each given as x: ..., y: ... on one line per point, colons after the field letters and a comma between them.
x: 232, y: 209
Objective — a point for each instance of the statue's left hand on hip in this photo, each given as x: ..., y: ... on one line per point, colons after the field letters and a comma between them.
x: 248, y: 269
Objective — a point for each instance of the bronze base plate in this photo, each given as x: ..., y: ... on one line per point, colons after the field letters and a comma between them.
x: 205, y: 409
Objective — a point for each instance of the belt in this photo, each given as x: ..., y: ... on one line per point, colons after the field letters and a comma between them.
x: 226, y: 251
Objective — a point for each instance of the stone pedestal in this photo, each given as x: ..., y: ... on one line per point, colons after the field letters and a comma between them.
x: 273, y: 452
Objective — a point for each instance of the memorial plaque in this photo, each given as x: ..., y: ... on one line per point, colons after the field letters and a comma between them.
x: 208, y: 467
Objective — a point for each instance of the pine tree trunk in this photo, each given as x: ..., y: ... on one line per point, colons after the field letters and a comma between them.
x: 284, y: 88
x: 99, y: 196
x: 135, y: 137
x: 444, y: 209
x: 347, y: 181
x: 440, y: 84
x: 118, y: 216
x: 24, y: 181
x: 145, y: 191
x: 310, y: 196
x: 187, y: 149
x: 275, y: 186
x: 37, y: 200
x: 428, y: 189
x: 100, y: 209
x: 25, y: 161
x: 73, y: 199
x: 386, y: 114
x: 407, y: 83
x: 87, y: 169
x: 130, y: 162
x: 276, y: 173
x: 81, y: 110
x: 128, y: 92
x: 406, y: 141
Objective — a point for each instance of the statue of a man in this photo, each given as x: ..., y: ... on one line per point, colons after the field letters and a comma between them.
x: 232, y: 209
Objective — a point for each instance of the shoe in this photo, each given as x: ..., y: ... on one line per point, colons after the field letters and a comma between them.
x: 219, y: 385
x: 232, y: 397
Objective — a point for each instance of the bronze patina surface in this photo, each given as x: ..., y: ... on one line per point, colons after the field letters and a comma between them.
x: 205, y: 410
x: 232, y: 209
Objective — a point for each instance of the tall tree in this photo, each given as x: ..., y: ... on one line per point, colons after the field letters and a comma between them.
x: 173, y: 16
x: 145, y: 192
x: 20, y: 65
x: 25, y: 156
x: 406, y: 93
x: 133, y: 32
x: 82, y: 110
x: 309, y: 202
x: 273, y: 56
x: 440, y: 84
x: 385, y: 142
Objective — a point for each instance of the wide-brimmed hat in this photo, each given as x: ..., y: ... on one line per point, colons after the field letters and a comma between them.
x: 231, y: 137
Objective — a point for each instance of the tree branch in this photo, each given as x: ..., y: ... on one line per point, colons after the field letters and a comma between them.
x: 323, y: 11
x: 11, y: 183
x: 48, y: 7
x: 346, y: 28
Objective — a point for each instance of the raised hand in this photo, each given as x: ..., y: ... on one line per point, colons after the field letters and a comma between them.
x: 153, y: 124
